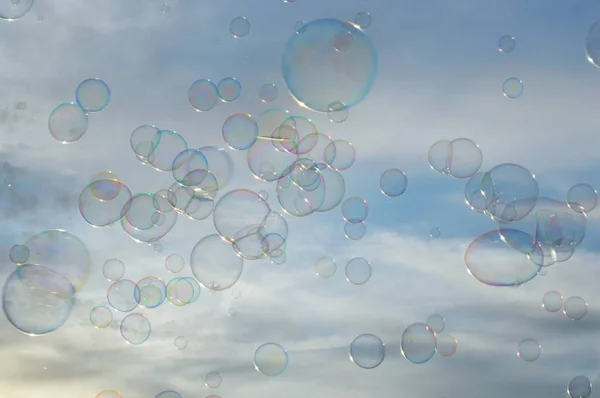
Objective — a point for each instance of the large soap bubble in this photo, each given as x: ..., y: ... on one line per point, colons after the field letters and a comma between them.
x: 329, y: 61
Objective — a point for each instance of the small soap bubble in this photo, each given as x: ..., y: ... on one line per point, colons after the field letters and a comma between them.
x: 180, y: 343
x: 506, y: 44
x: 512, y: 88
x: 239, y: 27
x: 363, y: 20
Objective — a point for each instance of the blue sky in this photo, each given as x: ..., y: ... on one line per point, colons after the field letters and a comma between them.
x: 440, y: 77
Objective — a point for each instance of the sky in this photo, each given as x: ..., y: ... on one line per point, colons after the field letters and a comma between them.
x: 440, y: 77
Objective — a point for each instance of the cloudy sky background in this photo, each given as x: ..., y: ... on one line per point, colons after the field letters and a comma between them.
x: 440, y: 77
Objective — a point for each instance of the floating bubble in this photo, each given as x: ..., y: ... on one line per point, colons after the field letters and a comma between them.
x: 492, y: 259
x: 180, y: 343
x: 579, y: 387
x: 151, y: 292
x: 239, y: 27
x: 220, y: 164
x: 337, y: 112
x: 238, y: 209
x: 92, y: 95
x: 19, y: 254
x: 466, y: 158
x: 232, y: 312
x: 393, y: 182
x: 182, y: 291
x: 37, y: 300
x: 213, y: 379
x: 135, y: 329
x: 270, y: 359
x: 592, y: 44
x: 67, y: 122
x: 214, y: 262
x: 575, y: 308
x: 552, y: 301
x: 203, y: 95
x: 512, y: 88
x: 340, y: 155
x: 418, y: 343
x: 143, y: 141
x: 263, y: 194
x: 164, y: 8
x: 582, y: 198
x: 101, y: 317
x: 355, y: 231
x: 300, y: 26
x: 229, y: 89
x: 435, y: 233
x: 11, y: 10
x: 122, y: 295
x: 104, y: 202
x: 506, y: 44
x: 167, y: 145
x: 355, y: 209
x: 268, y: 92
x: 367, y: 351
x: 440, y: 156
x: 358, y: 271
x: 317, y: 74
x: 109, y: 394
x: 325, y: 267
x: 168, y: 394
x: 113, y: 269
x: 62, y: 252
x: 445, y: 344
x: 529, y: 350
x: 436, y: 322
x: 174, y: 263
x: 101, y: 191
x: 240, y: 131
x: 363, y: 20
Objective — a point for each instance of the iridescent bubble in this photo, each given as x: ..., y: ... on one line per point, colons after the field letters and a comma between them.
x: 393, y: 182
x: 363, y: 20
x: 174, y: 263
x: 264, y: 194
x: 436, y: 322
x: 122, y: 295
x: 355, y: 209
x: 575, y: 308
x: 182, y: 291
x: 92, y: 95
x: 325, y: 267
x: 237, y: 210
x: 345, y: 77
x: 506, y: 44
x: 12, y: 10
x: 213, y: 379
x: 37, y: 300
x: 268, y: 92
x: 582, y: 198
x: 240, y: 131
x: 340, y: 155
x: 512, y: 88
x: 113, y: 269
x: 19, y: 254
x: 101, y: 317
x: 529, y: 350
x: 239, y: 27
x: 180, y: 343
x: 68, y: 122
x: 358, y: 271
x: 103, y: 202
x: 270, y: 359
x: 592, y: 44
x: 102, y: 191
x: 367, y: 351
x: 579, y: 387
x: 167, y: 145
x: 552, y: 301
x: 135, y: 329
x: 446, y: 344
x: 143, y: 141
x: 229, y: 89
x: 203, y: 95
x: 151, y: 292
x: 418, y: 344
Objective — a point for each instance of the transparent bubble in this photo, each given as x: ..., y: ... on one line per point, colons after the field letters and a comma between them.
x: 575, y: 308
x: 174, y: 263
x: 466, y: 158
x: 157, y: 248
x: 268, y: 92
x: 101, y: 317
x: 19, y: 254
x: 180, y: 343
x: 355, y: 231
x: 446, y: 344
x: 169, y: 394
x: 363, y: 20
x: 151, y: 292
x: 436, y: 322
x: 512, y: 88
x: 418, y: 344
x: 68, y: 122
x: 435, y: 232
x: 440, y: 156
x: 552, y: 301
x: 325, y: 267
x: 264, y: 194
x: 579, y: 387
x: 367, y: 351
x: 113, y: 269
x: 506, y: 44
x: 239, y: 27
x: 582, y: 198
x: 299, y: 27
x: 135, y: 329
x: 592, y: 44
x: 240, y: 131
x: 229, y: 89
x: 355, y: 209
x: 270, y: 359
x: 213, y: 379
x: 12, y: 10
x: 203, y: 95
x: 358, y: 271
x: 347, y: 75
x: 337, y: 112
x: 122, y: 295
x: 164, y: 8
x: 529, y: 350
x: 393, y: 182
x: 340, y: 155
x: 92, y: 95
